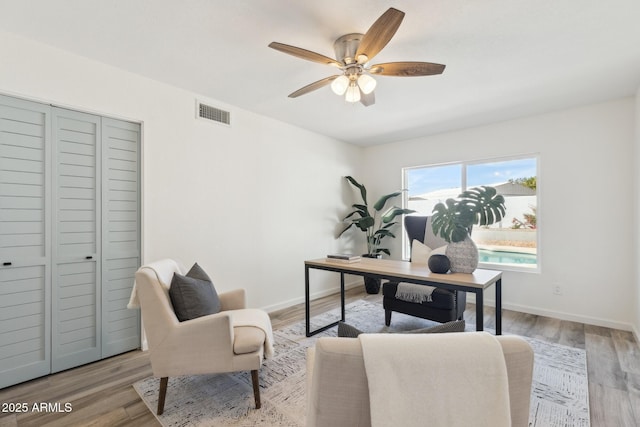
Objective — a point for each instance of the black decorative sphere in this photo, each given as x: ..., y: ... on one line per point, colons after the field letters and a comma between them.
x: 439, y: 263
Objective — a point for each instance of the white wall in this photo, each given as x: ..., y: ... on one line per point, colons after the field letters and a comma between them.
x: 248, y: 202
x: 586, y: 210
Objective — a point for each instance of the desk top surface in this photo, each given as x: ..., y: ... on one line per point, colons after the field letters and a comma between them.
x: 406, y: 270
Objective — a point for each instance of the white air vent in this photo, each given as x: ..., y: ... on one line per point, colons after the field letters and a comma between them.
x: 207, y: 112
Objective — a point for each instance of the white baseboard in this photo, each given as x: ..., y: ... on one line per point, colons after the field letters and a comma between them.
x: 588, y: 320
x: 315, y: 295
x: 596, y: 321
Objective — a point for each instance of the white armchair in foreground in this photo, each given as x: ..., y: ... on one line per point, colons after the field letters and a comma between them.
x: 234, y: 339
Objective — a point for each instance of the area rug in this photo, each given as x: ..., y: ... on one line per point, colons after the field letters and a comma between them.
x: 559, y: 392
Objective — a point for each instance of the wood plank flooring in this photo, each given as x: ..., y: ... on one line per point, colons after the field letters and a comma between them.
x: 101, y: 393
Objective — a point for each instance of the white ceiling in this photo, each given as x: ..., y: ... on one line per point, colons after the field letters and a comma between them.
x: 505, y: 58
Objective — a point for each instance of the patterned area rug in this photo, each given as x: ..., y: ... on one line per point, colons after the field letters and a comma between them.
x: 559, y: 392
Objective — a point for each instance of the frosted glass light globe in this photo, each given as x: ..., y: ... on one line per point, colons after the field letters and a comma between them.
x: 366, y: 83
x: 339, y: 86
x: 353, y: 93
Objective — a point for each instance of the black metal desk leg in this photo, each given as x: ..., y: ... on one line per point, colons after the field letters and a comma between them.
x: 307, y: 305
x: 342, y: 295
x: 307, y: 309
x: 499, y: 307
x: 479, y: 310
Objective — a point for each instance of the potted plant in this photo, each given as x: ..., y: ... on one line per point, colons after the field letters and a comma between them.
x: 454, y: 219
x: 376, y: 225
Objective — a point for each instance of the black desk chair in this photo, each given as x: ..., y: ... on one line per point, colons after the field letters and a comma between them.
x: 446, y: 305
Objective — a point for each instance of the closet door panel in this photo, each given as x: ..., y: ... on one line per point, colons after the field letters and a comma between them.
x: 76, y: 302
x: 57, y: 169
x: 25, y: 240
x: 121, y: 234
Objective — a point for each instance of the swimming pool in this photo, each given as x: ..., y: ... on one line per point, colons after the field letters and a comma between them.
x: 504, y: 257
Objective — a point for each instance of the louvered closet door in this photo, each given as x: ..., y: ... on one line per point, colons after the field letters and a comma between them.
x: 24, y: 241
x: 120, y: 234
x: 76, y: 293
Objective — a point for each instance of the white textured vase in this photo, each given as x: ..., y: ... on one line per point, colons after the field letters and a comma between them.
x: 463, y: 256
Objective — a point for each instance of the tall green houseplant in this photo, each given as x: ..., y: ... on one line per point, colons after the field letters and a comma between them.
x: 375, y: 224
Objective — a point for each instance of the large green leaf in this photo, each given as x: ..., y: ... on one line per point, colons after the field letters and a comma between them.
x: 362, y: 210
x: 485, y: 202
x: 362, y: 214
x: 364, y: 223
x: 464, y: 217
x: 363, y: 190
x: 383, y: 200
x: 393, y: 212
x: 348, y: 227
x: 383, y: 233
x: 445, y: 222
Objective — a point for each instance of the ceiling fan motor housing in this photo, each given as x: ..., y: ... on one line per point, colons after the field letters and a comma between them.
x: 346, y: 47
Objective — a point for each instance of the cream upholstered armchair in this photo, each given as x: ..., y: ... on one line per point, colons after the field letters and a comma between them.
x: 234, y: 339
x: 340, y: 391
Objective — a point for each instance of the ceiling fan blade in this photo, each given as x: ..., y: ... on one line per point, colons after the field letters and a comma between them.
x: 407, y: 69
x: 377, y: 37
x: 367, y: 99
x: 304, y: 54
x: 313, y: 86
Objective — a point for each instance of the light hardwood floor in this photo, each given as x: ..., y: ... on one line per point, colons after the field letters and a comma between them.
x: 101, y: 394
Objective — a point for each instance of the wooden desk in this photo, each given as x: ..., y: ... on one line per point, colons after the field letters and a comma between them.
x: 403, y: 271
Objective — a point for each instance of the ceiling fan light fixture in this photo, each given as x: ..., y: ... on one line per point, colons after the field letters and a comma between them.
x: 367, y: 83
x: 353, y: 52
x: 353, y: 93
x: 339, y: 85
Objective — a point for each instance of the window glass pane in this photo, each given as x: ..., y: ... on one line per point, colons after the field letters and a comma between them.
x: 430, y: 185
x: 511, y: 242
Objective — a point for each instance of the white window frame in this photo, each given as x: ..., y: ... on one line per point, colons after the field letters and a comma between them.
x: 463, y: 185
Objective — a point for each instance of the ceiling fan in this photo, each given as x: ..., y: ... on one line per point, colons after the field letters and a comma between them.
x: 353, y: 53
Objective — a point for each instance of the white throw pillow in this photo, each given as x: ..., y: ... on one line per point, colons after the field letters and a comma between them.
x: 439, y: 251
x: 420, y: 253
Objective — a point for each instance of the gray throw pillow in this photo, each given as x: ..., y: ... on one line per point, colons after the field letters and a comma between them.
x: 347, y: 331
x: 197, y: 272
x: 193, y: 295
x: 454, y: 326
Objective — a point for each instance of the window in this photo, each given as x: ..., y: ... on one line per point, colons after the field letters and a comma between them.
x: 511, y: 243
